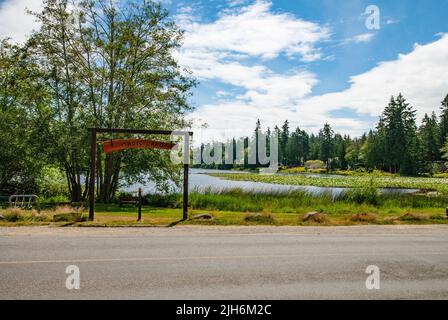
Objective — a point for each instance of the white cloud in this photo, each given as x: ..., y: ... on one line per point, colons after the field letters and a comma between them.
x: 15, y: 23
x: 361, y: 38
x: 419, y: 75
x: 234, y: 3
x: 233, y: 50
x: 255, y: 31
x: 391, y: 21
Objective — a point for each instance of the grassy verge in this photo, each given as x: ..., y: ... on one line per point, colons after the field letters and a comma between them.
x: 392, y: 181
x: 236, y: 207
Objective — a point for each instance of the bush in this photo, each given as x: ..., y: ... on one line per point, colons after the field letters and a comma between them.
x: 315, y: 164
x: 52, y: 183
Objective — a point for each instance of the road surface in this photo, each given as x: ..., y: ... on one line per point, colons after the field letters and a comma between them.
x: 225, y: 262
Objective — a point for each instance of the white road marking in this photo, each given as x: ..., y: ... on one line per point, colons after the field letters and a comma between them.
x: 312, y: 255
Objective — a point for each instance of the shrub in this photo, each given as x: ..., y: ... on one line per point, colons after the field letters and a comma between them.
x: 52, y: 183
x: 315, y: 164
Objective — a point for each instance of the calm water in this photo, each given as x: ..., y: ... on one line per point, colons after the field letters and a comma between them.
x: 199, y: 180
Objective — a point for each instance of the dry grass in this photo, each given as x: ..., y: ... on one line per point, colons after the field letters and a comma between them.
x: 316, y: 217
x: 363, y: 217
x: 68, y: 214
x: 18, y: 215
x: 259, y: 218
x: 67, y: 210
x: 413, y: 217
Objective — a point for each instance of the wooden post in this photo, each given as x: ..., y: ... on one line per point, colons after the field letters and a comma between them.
x: 139, y: 204
x: 186, y: 169
x: 92, y: 174
x: 186, y: 173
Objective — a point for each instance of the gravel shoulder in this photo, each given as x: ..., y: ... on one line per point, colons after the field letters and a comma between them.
x: 348, y: 230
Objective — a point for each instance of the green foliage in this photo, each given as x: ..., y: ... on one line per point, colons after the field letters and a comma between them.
x: 295, y: 170
x: 21, y: 99
x: 368, y: 194
x: 52, y: 184
x: 326, y: 136
x: 114, y: 68
x: 237, y: 200
x: 396, y: 146
x: 170, y: 200
x: 355, y: 181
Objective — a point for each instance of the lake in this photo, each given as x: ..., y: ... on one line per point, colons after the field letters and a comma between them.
x: 201, y: 181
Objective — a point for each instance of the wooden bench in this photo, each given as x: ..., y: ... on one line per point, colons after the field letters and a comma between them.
x: 128, y: 200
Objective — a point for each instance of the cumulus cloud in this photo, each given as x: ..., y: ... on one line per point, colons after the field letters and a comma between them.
x: 419, y: 75
x: 233, y: 50
x: 15, y: 23
x: 255, y: 30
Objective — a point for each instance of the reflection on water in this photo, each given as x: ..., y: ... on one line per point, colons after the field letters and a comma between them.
x: 200, y: 181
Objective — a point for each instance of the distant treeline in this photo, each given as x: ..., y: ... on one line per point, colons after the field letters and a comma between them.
x: 396, y: 145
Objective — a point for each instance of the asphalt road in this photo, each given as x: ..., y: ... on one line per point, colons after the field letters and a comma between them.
x: 225, y: 263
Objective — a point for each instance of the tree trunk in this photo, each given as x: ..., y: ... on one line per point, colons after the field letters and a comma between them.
x: 110, y: 177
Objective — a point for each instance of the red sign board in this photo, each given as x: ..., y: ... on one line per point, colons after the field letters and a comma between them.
x: 118, y: 145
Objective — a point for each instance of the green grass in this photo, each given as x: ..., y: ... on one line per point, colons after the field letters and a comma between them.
x: 385, y: 181
x: 238, y: 207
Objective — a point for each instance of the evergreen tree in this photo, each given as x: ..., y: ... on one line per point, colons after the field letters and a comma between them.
x: 257, y: 131
x: 430, y: 136
x: 353, y: 156
x: 443, y: 122
x: 284, y: 136
x: 326, y: 144
x: 401, y: 145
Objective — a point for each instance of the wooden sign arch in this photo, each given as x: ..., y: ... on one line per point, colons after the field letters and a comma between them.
x: 125, y: 144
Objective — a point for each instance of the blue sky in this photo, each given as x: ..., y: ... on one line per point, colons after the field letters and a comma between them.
x: 344, y: 49
x: 307, y: 61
